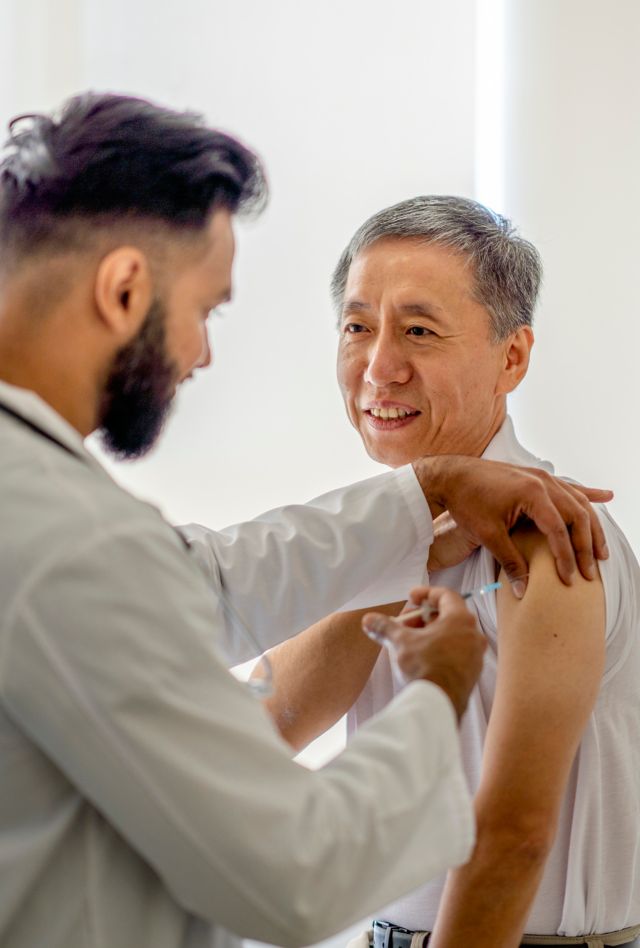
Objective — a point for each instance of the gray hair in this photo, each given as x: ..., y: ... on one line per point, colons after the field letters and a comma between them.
x: 507, y: 268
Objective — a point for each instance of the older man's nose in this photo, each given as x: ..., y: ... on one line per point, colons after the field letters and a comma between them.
x: 387, y: 364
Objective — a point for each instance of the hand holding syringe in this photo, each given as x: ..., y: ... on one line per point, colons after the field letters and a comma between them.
x: 426, y: 611
x: 447, y: 650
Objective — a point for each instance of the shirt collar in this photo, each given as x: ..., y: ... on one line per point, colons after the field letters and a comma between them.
x: 34, y: 409
x: 504, y: 446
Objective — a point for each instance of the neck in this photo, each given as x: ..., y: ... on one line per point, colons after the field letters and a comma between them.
x: 77, y: 408
x: 476, y: 446
x: 477, y: 441
x: 61, y: 374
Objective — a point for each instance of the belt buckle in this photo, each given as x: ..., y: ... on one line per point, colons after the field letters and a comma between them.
x: 388, y: 931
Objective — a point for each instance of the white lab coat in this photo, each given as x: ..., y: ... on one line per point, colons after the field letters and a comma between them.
x: 145, y: 797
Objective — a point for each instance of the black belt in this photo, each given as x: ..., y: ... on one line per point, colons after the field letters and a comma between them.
x: 386, y: 935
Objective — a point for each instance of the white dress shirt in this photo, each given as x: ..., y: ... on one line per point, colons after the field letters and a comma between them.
x: 146, y: 801
x: 591, y: 877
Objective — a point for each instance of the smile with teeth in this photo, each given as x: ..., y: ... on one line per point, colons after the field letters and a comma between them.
x: 386, y: 413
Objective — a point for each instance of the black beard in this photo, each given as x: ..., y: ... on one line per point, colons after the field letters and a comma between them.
x: 139, y: 390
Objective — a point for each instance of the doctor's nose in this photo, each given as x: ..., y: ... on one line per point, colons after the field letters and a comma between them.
x: 387, y: 364
x: 206, y: 356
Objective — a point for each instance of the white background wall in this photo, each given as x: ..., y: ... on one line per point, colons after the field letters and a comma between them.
x: 348, y: 107
x: 355, y: 105
x: 572, y: 153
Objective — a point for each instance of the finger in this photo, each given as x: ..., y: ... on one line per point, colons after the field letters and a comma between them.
x: 553, y: 524
x: 416, y: 610
x: 444, y: 601
x: 512, y: 561
x: 587, y: 535
x: 585, y: 531
x: 416, y: 597
x: 428, y: 600
x: 600, y: 547
x: 379, y: 627
x: 595, y: 494
x: 598, y: 538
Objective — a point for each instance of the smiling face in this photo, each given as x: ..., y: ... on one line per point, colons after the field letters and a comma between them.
x: 418, y: 368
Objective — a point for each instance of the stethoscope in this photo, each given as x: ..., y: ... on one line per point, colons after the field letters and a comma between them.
x: 262, y: 687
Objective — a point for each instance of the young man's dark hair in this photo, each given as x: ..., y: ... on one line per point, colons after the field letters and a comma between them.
x: 110, y: 158
x: 109, y: 172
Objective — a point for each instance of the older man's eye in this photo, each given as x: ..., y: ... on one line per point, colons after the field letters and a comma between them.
x: 353, y: 328
x: 419, y: 331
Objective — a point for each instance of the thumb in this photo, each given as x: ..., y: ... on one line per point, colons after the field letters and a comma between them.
x: 379, y: 627
x: 512, y: 562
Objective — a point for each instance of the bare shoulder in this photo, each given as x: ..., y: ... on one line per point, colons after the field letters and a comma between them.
x: 554, y: 634
x: 543, y: 579
x: 551, y: 643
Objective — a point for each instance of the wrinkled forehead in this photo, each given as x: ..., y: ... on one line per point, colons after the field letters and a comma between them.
x: 410, y: 270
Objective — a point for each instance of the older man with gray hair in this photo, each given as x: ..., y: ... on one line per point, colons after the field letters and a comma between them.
x: 435, y: 298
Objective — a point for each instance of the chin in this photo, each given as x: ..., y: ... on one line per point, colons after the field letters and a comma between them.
x: 396, y: 448
x: 392, y: 458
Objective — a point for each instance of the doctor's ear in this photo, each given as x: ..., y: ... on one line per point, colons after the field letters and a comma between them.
x: 517, y: 350
x: 123, y: 291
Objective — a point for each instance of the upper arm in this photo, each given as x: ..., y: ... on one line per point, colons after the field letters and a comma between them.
x: 550, y: 663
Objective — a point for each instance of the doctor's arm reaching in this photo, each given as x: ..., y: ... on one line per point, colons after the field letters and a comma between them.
x: 285, y: 546
x: 185, y: 765
x: 320, y: 672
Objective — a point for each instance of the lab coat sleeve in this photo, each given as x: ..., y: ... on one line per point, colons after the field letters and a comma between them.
x: 109, y: 665
x: 355, y: 547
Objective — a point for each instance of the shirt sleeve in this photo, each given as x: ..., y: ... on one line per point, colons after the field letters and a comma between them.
x: 359, y: 546
x: 110, y: 667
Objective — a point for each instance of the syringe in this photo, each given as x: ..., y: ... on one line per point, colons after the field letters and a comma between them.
x: 425, y: 611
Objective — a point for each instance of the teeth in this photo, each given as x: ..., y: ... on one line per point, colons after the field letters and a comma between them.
x: 386, y: 413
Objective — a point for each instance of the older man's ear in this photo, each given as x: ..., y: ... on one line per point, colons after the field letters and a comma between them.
x: 517, y: 350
